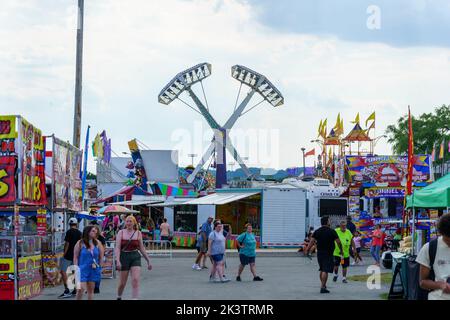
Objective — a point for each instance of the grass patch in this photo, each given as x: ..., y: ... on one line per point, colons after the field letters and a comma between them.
x: 384, y: 296
x: 386, y: 278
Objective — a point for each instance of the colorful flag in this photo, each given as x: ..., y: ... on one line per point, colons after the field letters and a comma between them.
x: 324, y: 129
x: 356, y: 121
x: 310, y: 153
x: 433, y: 154
x: 337, y: 126
x: 410, y: 154
x: 449, y: 146
x: 319, y: 130
x: 371, y: 118
x: 441, y: 150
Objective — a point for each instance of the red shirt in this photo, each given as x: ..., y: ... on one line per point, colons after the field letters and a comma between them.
x: 375, y: 240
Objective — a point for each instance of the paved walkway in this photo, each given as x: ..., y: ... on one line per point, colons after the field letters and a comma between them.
x: 284, y: 278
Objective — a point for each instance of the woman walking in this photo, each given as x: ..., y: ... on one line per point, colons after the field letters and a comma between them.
x: 246, y: 243
x: 88, y: 254
x: 216, y: 250
x: 128, y: 259
x: 377, y: 242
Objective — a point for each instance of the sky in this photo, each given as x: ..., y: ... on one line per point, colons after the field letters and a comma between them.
x: 324, y: 56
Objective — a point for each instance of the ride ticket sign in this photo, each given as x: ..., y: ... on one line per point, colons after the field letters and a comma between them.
x: 41, y: 222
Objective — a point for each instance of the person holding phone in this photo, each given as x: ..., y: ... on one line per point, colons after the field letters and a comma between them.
x: 246, y: 243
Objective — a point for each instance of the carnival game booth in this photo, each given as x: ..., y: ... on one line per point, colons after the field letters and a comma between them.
x: 376, y: 188
x: 63, y: 174
x: 23, y: 198
x: 277, y: 213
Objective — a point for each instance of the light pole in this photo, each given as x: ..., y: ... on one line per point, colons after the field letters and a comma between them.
x: 78, y: 76
x: 192, y: 156
x: 304, y: 168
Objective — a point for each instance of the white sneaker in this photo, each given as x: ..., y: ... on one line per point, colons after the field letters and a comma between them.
x: 195, y: 266
x: 353, y: 263
x: 198, y: 268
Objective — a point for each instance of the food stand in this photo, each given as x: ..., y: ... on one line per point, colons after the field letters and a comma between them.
x: 23, y: 197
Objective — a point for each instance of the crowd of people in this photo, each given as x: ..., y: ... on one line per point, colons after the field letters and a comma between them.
x: 211, y: 243
x: 334, y: 248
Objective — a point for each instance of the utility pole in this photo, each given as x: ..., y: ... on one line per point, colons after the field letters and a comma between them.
x: 78, y: 77
x: 304, y: 167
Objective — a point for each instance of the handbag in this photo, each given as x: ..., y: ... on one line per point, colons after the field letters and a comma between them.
x: 241, y: 242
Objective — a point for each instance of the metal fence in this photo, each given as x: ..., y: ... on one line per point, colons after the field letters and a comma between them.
x: 160, y: 248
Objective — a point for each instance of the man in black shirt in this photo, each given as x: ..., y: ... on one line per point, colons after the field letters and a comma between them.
x: 71, y: 239
x: 325, y: 237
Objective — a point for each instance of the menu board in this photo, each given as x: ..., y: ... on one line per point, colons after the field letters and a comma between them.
x: 29, y: 277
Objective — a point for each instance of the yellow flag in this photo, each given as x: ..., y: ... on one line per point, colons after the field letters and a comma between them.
x: 319, y: 131
x: 371, y: 117
x: 356, y: 121
x: 338, y: 124
x: 324, y: 129
x: 341, y: 127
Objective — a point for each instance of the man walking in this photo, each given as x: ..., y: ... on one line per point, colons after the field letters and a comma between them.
x: 346, y: 240
x: 204, y: 234
x: 71, y: 239
x: 325, y: 237
x: 165, y: 230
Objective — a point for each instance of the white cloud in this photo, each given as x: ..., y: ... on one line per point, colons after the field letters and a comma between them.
x: 132, y: 49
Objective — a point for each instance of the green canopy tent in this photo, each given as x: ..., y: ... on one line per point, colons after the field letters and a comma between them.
x: 435, y: 195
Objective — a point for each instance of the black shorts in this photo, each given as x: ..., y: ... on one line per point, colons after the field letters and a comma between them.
x: 337, y: 262
x: 245, y: 260
x: 129, y: 259
x: 326, y: 262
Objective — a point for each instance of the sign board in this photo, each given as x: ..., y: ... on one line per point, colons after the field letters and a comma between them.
x: 386, y: 169
x: 8, y: 156
x: 32, y: 164
x: 29, y: 277
x: 41, y: 218
x: 66, y: 160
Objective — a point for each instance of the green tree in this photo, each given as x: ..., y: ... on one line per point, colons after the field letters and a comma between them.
x: 429, y: 129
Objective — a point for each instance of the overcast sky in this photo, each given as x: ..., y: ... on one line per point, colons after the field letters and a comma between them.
x: 320, y: 54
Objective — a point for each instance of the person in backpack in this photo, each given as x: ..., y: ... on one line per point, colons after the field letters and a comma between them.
x: 434, y: 260
x: 246, y: 243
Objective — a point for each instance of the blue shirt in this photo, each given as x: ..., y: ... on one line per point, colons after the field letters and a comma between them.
x: 248, y: 240
x: 218, y: 243
x: 206, y: 227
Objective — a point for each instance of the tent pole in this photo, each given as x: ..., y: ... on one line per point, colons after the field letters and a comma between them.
x: 413, y: 230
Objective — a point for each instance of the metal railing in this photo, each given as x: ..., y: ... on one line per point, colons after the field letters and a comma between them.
x: 160, y: 248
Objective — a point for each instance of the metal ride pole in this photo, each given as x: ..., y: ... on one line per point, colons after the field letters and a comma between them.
x: 78, y: 77
x: 15, y: 255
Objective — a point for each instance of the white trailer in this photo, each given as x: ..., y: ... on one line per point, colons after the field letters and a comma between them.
x: 283, y: 216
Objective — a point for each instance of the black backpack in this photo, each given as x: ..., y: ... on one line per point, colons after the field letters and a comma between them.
x: 415, y: 292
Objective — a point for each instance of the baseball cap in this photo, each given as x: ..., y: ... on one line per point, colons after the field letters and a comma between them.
x: 73, y: 221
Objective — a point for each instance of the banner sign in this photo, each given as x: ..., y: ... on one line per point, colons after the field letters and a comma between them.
x: 30, y: 279
x: 41, y: 218
x: 32, y: 152
x: 50, y: 265
x: 8, y: 127
x: 7, y: 181
x: 386, y: 169
x: 384, y: 192
x: 66, y: 176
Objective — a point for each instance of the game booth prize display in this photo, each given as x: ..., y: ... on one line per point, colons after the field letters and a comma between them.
x: 23, y: 215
